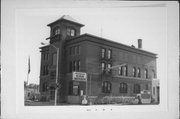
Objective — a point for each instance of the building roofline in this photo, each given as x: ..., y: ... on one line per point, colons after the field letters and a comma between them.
x: 62, y: 19
x: 90, y: 35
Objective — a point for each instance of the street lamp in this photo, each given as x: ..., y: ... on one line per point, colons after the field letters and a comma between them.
x: 57, y: 62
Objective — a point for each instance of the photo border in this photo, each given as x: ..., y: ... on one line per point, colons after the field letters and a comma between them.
x: 11, y: 99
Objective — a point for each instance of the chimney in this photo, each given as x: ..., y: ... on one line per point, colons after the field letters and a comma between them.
x: 140, y: 43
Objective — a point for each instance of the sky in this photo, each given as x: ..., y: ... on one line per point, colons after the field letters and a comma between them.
x: 120, y: 24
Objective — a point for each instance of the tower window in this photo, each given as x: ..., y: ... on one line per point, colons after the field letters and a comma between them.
x: 56, y: 31
x: 70, y: 32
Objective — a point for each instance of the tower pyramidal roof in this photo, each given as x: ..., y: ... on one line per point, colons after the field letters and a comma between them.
x: 66, y: 18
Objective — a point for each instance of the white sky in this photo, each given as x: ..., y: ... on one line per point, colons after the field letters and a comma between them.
x: 124, y: 25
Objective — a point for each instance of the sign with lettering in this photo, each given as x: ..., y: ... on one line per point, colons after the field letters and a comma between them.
x: 79, y: 76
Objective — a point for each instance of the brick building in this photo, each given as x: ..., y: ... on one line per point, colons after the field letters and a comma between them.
x: 92, y: 55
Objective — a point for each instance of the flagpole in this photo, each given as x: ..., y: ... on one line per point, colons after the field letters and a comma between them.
x: 27, y: 78
x: 28, y: 70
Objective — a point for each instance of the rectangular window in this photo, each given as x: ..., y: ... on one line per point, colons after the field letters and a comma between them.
x: 47, y: 56
x: 70, y: 66
x: 74, y: 65
x: 53, y: 75
x: 45, y: 70
x: 78, y: 65
x: 44, y: 58
x: 54, y: 60
x: 73, y: 50
x: 146, y: 87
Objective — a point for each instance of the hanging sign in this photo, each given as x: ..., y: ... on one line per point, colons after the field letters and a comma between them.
x: 79, y: 76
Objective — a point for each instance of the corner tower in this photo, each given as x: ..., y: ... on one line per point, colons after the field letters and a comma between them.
x: 60, y: 30
x: 66, y: 27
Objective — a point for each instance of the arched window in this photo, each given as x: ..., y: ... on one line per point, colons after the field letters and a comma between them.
x: 103, y: 52
x: 123, y: 88
x: 121, y: 70
x: 125, y: 70
x: 109, y: 54
x: 56, y: 31
x: 139, y: 72
x: 137, y: 88
x: 146, y: 73
x: 109, y: 66
x: 103, y: 66
x: 134, y: 71
x: 106, y: 87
